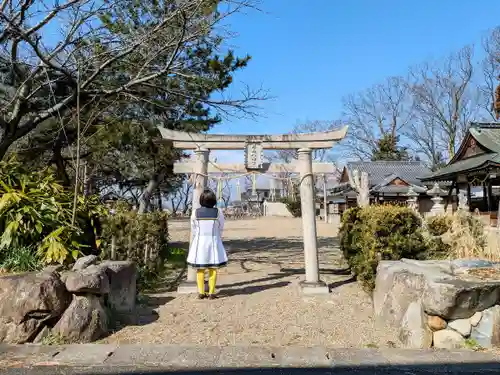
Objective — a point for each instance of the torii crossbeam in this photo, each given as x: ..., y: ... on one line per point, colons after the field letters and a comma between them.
x: 189, y: 167
x: 193, y: 141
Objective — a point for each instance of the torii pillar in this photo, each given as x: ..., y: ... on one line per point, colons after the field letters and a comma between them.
x: 200, y: 183
x: 312, y: 283
x: 254, y: 145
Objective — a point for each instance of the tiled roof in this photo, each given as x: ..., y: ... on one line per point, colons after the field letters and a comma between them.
x: 379, y: 171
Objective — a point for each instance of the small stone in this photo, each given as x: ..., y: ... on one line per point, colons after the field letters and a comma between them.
x: 414, y: 332
x: 487, y: 332
x: 476, y: 318
x: 462, y: 326
x: 436, y: 323
x: 84, y: 262
x: 448, y: 339
x: 45, y: 332
x: 53, y: 268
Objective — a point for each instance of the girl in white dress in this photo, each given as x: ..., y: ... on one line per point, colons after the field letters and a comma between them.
x: 207, y: 250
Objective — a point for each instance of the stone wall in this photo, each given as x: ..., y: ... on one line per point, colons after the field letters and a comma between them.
x: 442, y: 304
x: 276, y: 209
x: 74, y: 306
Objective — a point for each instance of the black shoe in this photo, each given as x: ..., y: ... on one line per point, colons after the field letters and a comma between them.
x: 202, y: 296
x: 212, y: 296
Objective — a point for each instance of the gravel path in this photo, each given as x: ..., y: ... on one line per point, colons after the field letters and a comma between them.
x: 260, y: 302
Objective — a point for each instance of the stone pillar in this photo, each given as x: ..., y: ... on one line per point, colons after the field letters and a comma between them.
x: 312, y: 283
x: 325, y: 200
x: 200, y: 183
x: 463, y: 204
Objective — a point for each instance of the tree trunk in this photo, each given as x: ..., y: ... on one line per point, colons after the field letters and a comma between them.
x: 148, y: 192
x: 159, y: 200
x: 5, y: 143
x: 58, y: 160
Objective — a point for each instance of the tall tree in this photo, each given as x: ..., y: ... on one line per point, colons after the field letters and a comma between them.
x: 444, y: 102
x: 321, y: 155
x: 491, y: 75
x: 388, y: 149
x: 288, y: 156
x: 380, y: 111
x: 127, y: 54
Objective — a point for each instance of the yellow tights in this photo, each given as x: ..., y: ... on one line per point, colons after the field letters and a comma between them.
x: 212, y: 279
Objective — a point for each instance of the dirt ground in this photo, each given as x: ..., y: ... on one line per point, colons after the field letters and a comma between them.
x: 260, y: 301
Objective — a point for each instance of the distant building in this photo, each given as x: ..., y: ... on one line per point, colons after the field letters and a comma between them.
x: 475, y: 166
x: 388, y: 181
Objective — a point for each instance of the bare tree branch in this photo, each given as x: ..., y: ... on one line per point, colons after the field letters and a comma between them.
x: 384, y: 109
x: 491, y: 73
x: 444, y: 99
x: 121, y: 56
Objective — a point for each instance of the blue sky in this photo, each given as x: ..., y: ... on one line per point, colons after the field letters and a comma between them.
x: 311, y: 54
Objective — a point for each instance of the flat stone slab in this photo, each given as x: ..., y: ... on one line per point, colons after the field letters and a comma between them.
x: 311, y: 289
x: 109, y: 357
x: 84, y: 354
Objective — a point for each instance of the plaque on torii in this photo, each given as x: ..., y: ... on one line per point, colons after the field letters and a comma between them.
x: 254, y: 156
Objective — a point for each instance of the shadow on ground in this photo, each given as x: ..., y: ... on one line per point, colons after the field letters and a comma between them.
x: 234, y: 246
x: 273, y: 243
x: 247, y: 287
x: 143, y: 314
x: 251, y: 289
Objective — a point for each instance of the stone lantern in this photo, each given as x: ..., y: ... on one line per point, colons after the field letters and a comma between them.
x: 435, y: 193
x: 463, y: 202
x: 412, y: 201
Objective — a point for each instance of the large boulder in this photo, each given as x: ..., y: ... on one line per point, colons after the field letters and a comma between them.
x: 29, y: 300
x: 445, y: 288
x: 397, y: 285
x: 84, y: 321
x: 91, y: 280
x: 122, y: 276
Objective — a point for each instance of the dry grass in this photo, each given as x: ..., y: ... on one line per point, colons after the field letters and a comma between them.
x: 469, y: 238
x: 492, y: 244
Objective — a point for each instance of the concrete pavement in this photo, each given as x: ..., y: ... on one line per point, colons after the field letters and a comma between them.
x: 164, y: 359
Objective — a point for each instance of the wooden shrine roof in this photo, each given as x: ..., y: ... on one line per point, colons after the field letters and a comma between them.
x: 479, y: 150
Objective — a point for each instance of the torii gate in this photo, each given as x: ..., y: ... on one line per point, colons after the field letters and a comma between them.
x: 254, y: 145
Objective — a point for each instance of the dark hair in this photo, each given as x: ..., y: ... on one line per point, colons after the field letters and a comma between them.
x: 208, y: 199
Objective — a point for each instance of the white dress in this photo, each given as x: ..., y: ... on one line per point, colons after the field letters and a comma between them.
x: 206, y: 249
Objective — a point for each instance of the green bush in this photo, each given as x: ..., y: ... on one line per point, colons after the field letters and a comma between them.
x: 36, y: 214
x: 438, y: 225
x: 293, y: 205
x: 379, y: 232
x: 142, y: 238
x: 22, y: 259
